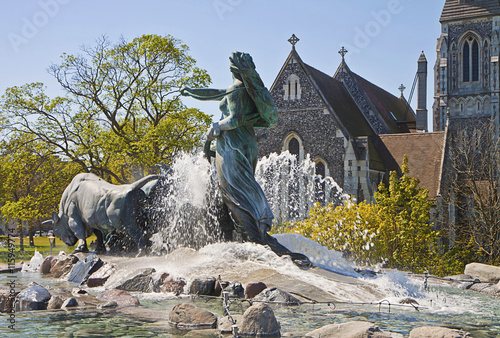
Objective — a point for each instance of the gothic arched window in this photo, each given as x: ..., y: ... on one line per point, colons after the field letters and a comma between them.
x: 320, y: 169
x: 475, y: 61
x: 470, y: 59
x: 466, y: 62
x: 294, y: 146
x: 292, y: 88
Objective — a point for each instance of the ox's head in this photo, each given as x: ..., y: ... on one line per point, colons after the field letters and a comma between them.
x: 62, y: 229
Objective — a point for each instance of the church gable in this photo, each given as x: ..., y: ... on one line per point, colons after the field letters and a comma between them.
x: 293, y: 89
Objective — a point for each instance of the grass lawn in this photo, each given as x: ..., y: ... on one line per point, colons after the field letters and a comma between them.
x: 42, y: 245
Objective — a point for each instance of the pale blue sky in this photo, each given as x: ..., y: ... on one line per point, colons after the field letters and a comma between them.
x: 384, y: 37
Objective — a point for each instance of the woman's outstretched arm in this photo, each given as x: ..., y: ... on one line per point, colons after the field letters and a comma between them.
x: 204, y: 94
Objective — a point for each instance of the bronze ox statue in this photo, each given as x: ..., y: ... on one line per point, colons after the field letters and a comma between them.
x: 91, y: 205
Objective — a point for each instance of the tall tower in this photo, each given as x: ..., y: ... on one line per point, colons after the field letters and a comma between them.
x: 422, y: 93
x: 467, y: 65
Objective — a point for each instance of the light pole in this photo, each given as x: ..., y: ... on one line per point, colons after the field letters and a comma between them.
x: 52, y: 241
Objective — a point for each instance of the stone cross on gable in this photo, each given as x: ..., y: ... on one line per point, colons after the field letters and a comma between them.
x: 402, y: 89
x: 343, y: 52
x: 293, y: 40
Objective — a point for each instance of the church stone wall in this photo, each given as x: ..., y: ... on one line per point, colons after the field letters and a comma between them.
x: 308, y: 118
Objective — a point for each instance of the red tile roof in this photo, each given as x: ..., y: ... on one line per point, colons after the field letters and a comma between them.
x: 424, y: 152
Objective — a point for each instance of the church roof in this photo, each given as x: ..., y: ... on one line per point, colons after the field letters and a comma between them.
x: 341, y: 102
x: 468, y: 9
x: 388, y: 105
x: 423, y: 150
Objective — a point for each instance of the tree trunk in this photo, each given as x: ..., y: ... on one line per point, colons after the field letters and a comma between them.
x: 31, y: 232
x: 21, y: 236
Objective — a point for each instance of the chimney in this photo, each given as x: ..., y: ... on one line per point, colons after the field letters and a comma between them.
x: 422, y: 93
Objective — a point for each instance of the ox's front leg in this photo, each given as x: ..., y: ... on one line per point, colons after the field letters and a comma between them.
x: 79, y: 230
x: 100, y: 248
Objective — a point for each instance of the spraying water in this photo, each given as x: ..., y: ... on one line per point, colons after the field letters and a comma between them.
x: 188, y: 210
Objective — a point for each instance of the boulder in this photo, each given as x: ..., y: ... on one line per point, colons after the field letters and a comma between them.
x: 107, y: 305
x: 483, y: 272
x: 84, y: 268
x: 188, y: 317
x: 225, y: 325
x: 485, y: 288
x: 235, y: 290
x: 253, y: 289
x: 173, y: 285
x: 46, y: 265
x: 100, y: 277
x: 63, y: 265
x: 408, y: 301
x: 7, y: 297
x: 351, y: 330
x: 438, y: 332
x: 78, y: 292
x: 55, y: 303
x: 32, y: 298
x: 276, y: 295
x: 259, y: 320
x: 204, y: 287
x: 122, y: 298
x: 70, y: 302
x: 142, y: 282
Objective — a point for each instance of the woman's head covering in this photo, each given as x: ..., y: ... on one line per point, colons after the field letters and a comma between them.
x: 266, y: 114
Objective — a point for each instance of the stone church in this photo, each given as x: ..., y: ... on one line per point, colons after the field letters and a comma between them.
x: 345, y: 123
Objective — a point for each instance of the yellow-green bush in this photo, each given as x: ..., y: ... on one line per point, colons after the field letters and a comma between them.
x: 350, y: 228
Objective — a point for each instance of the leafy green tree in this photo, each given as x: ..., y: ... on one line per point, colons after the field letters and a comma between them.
x: 122, y: 113
x: 395, y: 230
x: 350, y: 228
x: 406, y: 238
x: 31, y: 180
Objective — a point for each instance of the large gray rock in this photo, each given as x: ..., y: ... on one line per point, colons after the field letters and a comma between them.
x: 34, y: 297
x: 235, y: 290
x: 188, y: 317
x: 70, y: 302
x: 253, y: 289
x: 351, y: 330
x: 438, y: 332
x: 484, y: 272
x: 63, y: 265
x: 485, y: 288
x: 100, y: 277
x: 259, y: 320
x: 169, y: 284
x: 7, y: 298
x: 142, y: 282
x: 46, y: 265
x: 276, y: 295
x: 84, y: 268
x: 55, y: 303
x: 224, y: 324
x: 205, y: 287
x: 122, y: 298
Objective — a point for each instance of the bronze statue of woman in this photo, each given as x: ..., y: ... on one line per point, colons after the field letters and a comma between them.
x: 245, y: 105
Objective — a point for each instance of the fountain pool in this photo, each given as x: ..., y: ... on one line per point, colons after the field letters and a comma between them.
x: 439, y: 305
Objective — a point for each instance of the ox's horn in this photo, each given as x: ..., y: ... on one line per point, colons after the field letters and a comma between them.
x: 140, y: 183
